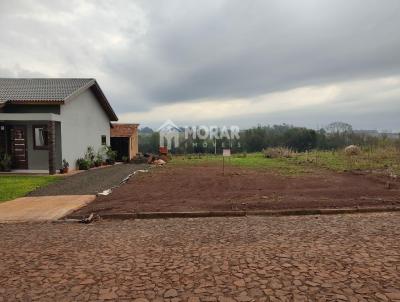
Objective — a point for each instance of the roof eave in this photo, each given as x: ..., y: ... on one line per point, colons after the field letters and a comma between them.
x: 128, y: 124
x: 104, y: 102
x: 80, y: 90
x: 100, y: 96
x: 36, y: 102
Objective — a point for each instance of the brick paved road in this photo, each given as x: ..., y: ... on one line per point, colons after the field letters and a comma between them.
x: 328, y: 258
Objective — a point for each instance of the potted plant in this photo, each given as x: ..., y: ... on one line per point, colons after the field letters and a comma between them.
x: 5, y: 162
x: 65, y: 167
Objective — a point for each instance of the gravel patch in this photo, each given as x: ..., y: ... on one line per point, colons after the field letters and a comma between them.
x: 89, y: 182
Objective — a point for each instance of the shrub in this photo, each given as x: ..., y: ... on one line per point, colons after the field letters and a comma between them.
x: 65, y: 164
x: 125, y: 159
x: 98, y: 162
x: 90, y: 156
x: 278, y: 152
x: 111, y: 155
x: 83, y: 164
x: 352, y: 150
x: 5, y: 162
x: 99, y: 158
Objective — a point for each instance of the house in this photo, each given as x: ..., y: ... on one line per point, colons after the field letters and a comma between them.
x: 124, y: 140
x: 43, y: 121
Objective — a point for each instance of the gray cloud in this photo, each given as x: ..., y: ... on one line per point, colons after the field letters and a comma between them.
x: 247, y: 48
x: 148, y: 53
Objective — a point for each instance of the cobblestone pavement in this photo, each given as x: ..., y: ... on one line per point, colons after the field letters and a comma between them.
x: 309, y: 258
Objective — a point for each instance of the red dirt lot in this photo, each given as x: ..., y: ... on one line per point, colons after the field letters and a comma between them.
x: 204, y: 188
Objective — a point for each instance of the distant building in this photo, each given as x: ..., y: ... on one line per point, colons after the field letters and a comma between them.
x: 376, y: 133
x: 124, y: 140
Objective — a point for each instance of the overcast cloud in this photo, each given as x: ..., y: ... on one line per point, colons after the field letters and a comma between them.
x: 238, y: 62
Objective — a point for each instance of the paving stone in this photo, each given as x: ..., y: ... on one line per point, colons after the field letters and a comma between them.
x: 381, y: 297
x: 275, y: 284
x: 311, y: 283
x: 255, y: 292
x: 393, y: 295
x: 87, y: 281
x: 332, y: 258
x: 243, y: 298
x: 225, y: 299
x: 240, y: 283
x: 107, y: 295
x: 341, y: 297
x: 170, y: 293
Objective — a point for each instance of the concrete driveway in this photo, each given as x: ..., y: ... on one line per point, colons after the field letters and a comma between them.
x: 43, y: 208
x: 61, y: 198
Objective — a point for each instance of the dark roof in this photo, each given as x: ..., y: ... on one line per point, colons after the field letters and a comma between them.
x: 50, y: 90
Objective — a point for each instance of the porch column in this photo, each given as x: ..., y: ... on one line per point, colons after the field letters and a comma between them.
x: 51, y: 140
x: 3, y: 138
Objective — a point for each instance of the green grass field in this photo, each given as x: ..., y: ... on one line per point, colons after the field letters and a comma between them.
x: 252, y: 160
x: 379, y: 159
x: 17, y: 186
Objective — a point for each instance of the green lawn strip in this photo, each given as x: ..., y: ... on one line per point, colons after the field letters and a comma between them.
x: 17, y: 186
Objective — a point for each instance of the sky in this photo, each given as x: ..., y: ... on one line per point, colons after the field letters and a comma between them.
x: 217, y: 62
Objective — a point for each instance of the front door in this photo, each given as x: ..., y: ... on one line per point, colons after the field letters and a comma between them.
x: 18, y: 147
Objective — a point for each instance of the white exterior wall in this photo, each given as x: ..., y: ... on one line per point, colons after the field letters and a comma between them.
x: 83, y: 122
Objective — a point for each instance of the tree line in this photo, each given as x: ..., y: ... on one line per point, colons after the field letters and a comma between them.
x: 335, y: 136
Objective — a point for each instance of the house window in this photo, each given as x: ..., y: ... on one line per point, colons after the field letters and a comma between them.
x: 104, y: 140
x: 40, y: 140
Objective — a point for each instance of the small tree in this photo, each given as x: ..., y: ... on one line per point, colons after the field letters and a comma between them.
x: 339, y: 128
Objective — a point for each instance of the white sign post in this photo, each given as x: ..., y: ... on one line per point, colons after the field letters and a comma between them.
x: 225, y: 153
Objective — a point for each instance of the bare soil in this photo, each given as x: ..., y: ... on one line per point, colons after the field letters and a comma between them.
x: 205, y: 188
